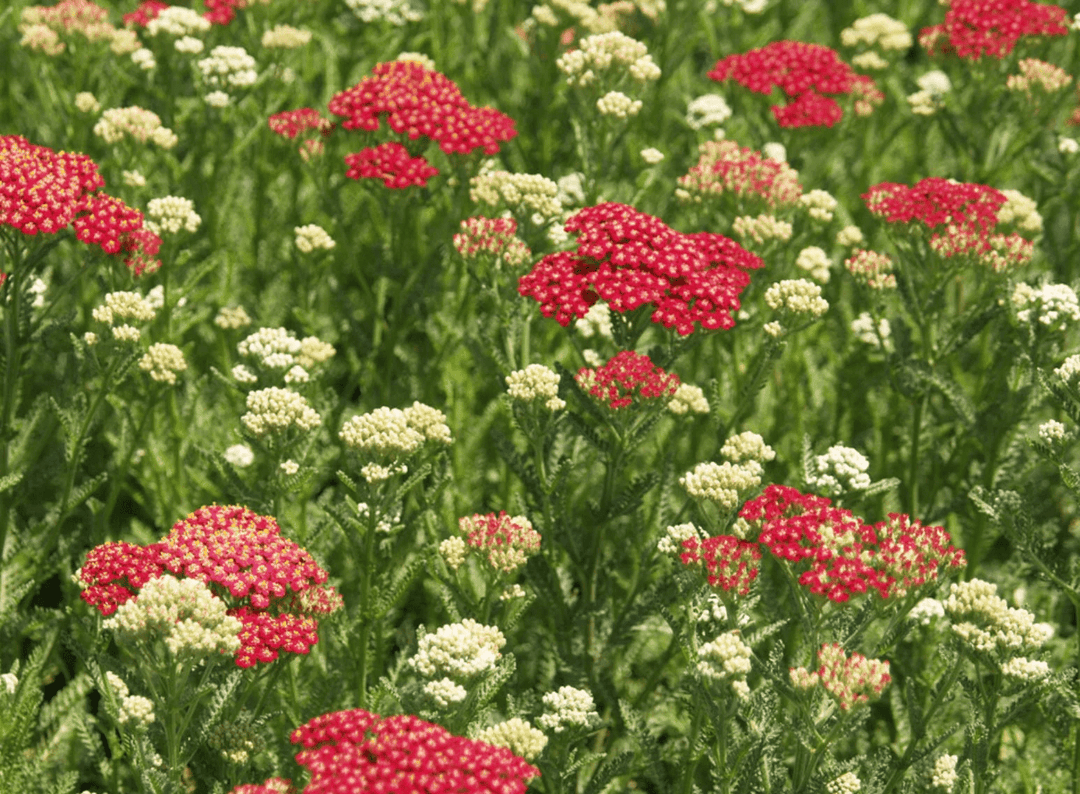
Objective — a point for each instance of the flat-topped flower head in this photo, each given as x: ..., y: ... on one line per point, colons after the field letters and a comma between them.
x: 731, y: 564
x: 806, y: 73
x: 391, y: 163
x: 170, y: 214
x: 524, y: 193
x: 516, y: 735
x: 839, y: 470
x: 418, y: 102
x: 114, y: 572
x: 872, y: 269
x: 275, y: 410
x: 494, y: 237
x: 987, y: 624
x: 725, y: 658
x: 230, y: 67
x: 461, y: 650
x: 724, y: 167
x: 42, y: 190
x: 402, y: 754
x: 568, y: 708
x: 974, y: 28
x: 608, y: 58
x: 312, y: 237
x: 627, y: 379
x: 535, y: 383
x: 722, y: 483
x: 162, y: 361
x: 134, y: 122
x: 508, y: 541
x: 852, y: 680
x: 629, y: 259
x: 290, y: 123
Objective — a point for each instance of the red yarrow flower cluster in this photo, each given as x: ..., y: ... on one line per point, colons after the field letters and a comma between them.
x: 46, y: 191
x: 495, y: 236
x: 274, y: 785
x: 974, y: 28
x: 963, y: 215
x: 844, y: 556
x: 218, y: 12
x: 631, y: 259
x: 391, y: 163
x: 418, y: 102
x: 242, y: 557
x: 627, y: 379
x: 806, y: 73
x: 141, y: 16
x: 356, y: 750
x: 732, y: 564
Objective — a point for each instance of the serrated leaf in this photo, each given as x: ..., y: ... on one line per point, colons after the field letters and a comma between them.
x: 650, y: 748
x: 630, y: 498
x: 391, y: 594
x: 608, y: 771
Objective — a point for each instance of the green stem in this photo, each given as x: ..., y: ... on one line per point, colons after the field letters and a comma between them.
x: 913, y: 461
x: 366, y: 619
x: 12, y: 366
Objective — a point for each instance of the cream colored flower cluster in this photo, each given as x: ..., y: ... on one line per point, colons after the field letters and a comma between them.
x: 710, y: 110
x: 133, y: 708
x: 312, y: 237
x: 521, y: 738
x: 688, y: 399
x: 796, y: 296
x: 944, y: 777
x: 1020, y: 211
x: 1053, y: 305
x: 815, y: 262
x: 129, y: 306
x: 674, y: 537
x: 762, y: 228
x: 461, y: 650
x: 519, y: 192
x: 170, y: 214
x: 618, y: 104
x: 177, y: 21
x: 189, y: 45
x: 865, y: 331
x: 1025, y: 669
x: 162, y: 361
x: 747, y: 446
x: 596, y: 322
x: 1069, y: 368
x: 1038, y: 74
x: 726, y: 657
x: 926, y: 611
x: 838, y: 471
x: 142, y: 125
x: 445, y: 692
x: 932, y: 88
x: 572, y: 13
x: 568, y: 708
x: 847, y: 783
x: 652, y: 155
x: 871, y: 268
x: 279, y: 349
x: 229, y: 66
x: 988, y: 624
x: 1052, y: 431
x: 454, y: 552
x: 183, y: 612
x: 877, y: 30
x: 85, y: 102
x: 850, y: 236
x: 396, y: 12
x: 722, y: 482
x: 232, y: 317
x: 610, y: 55
x: 285, y: 37
x: 535, y: 382
x: 393, y: 434
x: 819, y: 204
x: 275, y: 410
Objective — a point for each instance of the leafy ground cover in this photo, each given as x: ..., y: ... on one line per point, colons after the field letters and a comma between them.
x: 488, y: 396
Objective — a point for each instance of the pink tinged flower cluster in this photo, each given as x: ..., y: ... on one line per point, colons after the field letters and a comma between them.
x: 974, y: 28
x: 46, y: 191
x: 841, y: 555
x: 627, y: 379
x: 962, y: 215
x: 809, y: 74
x: 725, y: 167
x: 291, y: 123
x: 507, y: 540
x: 851, y: 680
x: 732, y: 564
x: 391, y: 163
x: 277, y: 586
x: 355, y: 750
x: 495, y: 236
x: 630, y: 259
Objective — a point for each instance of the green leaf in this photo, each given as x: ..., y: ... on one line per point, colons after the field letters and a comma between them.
x: 608, y: 771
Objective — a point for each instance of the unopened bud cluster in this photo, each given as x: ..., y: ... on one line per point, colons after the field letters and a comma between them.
x: 275, y: 410
x: 162, y: 361
x: 535, y: 383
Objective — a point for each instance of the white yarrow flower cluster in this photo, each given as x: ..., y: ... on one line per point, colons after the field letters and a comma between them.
x: 396, y: 12
x: 445, y: 692
x: 1025, y: 669
x: 838, y: 471
x: 1069, y: 368
x: 944, y: 776
x: 1055, y: 305
x: 847, y: 783
x: 177, y: 21
x: 864, y: 330
x: 796, y: 296
x: 311, y: 237
x: 239, y: 455
x: 879, y: 30
x: 85, y: 102
x: 170, y: 214
x: 1052, y: 431
x: 217, y: 99
x: 988, y: 624
x: 142, y: 125
x: 229, y: 66
x: 596, y: 322
x: 652, y: 155
x: 454, y: 550
x: 926, y: 611
x: 815, y: 262
x: 274, y: 348
x: 618, y: 104
x: 762, y: 228
x: 1068, y: 145
x: 189, y: 45
x: 535, y: 382
x: 461, y: 650
x: 285, y: 37
x: 819, y: 203
x: 183, y: 612
x: 850, y: 236
x: 612, y: 53
x: 747, y: 446
x: 232, y: 317
x: 520, y: 192
x: 162, y: 361
x: 124, y: 306
x: 275, y: 410
x: 688, y: 399
x: 521, y: 738
x: 1020, y: 211
x: 568, y: 708
x: 722, y: 482
x: 675, y: 536
x: 392, y: 434
x: 726, y: 657
x: 144, y: 59
x: 709, y: 110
